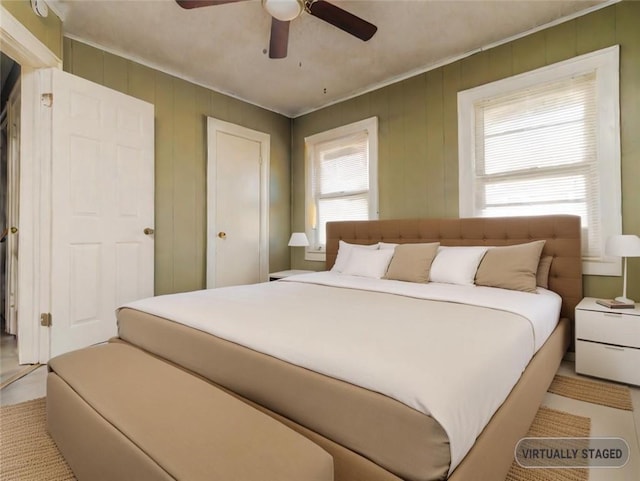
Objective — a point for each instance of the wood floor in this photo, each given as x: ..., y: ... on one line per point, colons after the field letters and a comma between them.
x: 8, y: 357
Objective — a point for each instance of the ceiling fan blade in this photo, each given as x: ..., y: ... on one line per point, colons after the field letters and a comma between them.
x: 342, y: 19
x: 203, y: 3
x: 279, y: 41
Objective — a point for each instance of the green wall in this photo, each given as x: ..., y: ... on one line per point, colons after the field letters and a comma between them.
x: 181, y: 109
x: 418, y: 166
x: 418, y: 135
x: 48, y: 30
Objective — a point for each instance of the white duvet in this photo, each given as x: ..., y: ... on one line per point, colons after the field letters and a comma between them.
x: 455, y: 360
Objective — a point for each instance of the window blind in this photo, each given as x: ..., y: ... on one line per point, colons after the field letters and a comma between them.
x: 340, y: 181
x: 536, y: 153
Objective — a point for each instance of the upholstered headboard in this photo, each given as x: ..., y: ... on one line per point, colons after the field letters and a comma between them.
x: 561, y: 232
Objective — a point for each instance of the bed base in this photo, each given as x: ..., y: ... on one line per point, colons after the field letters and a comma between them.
x: 492, y: 454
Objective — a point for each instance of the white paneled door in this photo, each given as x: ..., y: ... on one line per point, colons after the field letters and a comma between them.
x: 237, y: 205
x: 102, y: 188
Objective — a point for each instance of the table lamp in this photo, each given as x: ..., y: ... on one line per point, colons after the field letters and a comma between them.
x: 299, y: 239
x: 624, y: 246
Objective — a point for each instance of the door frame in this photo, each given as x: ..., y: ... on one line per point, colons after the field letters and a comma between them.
x: 12, y: 205
x: 34, y: 244
x: 215, y: 125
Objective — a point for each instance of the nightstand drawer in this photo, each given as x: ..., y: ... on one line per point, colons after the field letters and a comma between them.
x: 608, y: 327
x: 609, y: 362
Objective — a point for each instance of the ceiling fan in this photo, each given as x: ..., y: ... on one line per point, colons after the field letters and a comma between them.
x: 283, y: 11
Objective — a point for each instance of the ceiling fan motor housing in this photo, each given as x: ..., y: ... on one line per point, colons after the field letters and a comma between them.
x: 284, y: 10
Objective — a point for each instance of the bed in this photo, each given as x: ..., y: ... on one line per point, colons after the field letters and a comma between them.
x: 382, y: 416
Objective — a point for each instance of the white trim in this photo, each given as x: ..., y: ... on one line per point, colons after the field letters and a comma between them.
x: 25, y: 48
x: 369, y: 125
x: 605, y: 63
x: 215, y: 125
x: 22, y: 45
x: 11, y: 115
x: 30, y: 334
x: 43, y: 214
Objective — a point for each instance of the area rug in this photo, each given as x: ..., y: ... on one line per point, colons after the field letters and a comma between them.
x: 553, y: 423
x: 27, y: 452
x: 605, y: 394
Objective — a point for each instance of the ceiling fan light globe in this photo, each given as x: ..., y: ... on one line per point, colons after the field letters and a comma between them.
x: 284, y: 10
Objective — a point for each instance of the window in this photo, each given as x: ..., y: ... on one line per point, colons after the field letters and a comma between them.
x: 341, y: 166
x: 547, y: 142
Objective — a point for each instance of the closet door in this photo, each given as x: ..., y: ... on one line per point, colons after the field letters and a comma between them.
x: 237, y: 205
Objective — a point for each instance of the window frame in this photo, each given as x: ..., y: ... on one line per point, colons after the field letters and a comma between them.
x: 605, y: 64
x: 370, y: 125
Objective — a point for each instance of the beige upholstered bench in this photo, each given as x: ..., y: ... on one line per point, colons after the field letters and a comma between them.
x: 119, y: 414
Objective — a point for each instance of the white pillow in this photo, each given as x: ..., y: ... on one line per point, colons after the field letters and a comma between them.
x: 368, y: 263
x: 344, y: 251
x: 387, y: 245
x: 456, y: 265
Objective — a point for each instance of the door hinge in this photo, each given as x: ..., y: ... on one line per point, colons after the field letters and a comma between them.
x: 45, y: 319
x: 46, y: 99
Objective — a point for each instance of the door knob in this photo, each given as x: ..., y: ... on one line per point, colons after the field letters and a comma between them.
x: 14, y: 230
x: 222, y: 235
x: 148, y: 231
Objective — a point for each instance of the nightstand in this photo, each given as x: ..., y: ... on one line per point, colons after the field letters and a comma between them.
x: 274, y: 276
x: 608, y: 342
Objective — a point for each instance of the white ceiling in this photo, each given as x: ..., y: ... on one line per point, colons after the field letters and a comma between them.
x: 224, y: 47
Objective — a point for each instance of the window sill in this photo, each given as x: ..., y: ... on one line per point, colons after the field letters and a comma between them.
x: 601, y: 267
x: 315, y: 256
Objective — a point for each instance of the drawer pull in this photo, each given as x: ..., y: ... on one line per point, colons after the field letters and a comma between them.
x: 614, y: 348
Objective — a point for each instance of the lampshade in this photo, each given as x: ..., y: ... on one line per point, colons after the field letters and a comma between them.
x: 623, y: 246
x: 627, y: 245
x: 284, y: 10
x: 298, y: 239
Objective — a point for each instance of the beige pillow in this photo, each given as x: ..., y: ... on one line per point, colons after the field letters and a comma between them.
x: 411, y: 262
x: 544, y: 267
x: 511, y: 267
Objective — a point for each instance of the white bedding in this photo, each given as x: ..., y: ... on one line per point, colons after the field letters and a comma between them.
x: 385, y: 336
x: 542, y: 308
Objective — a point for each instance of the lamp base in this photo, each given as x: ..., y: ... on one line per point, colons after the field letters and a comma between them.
x: 625, y: 300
